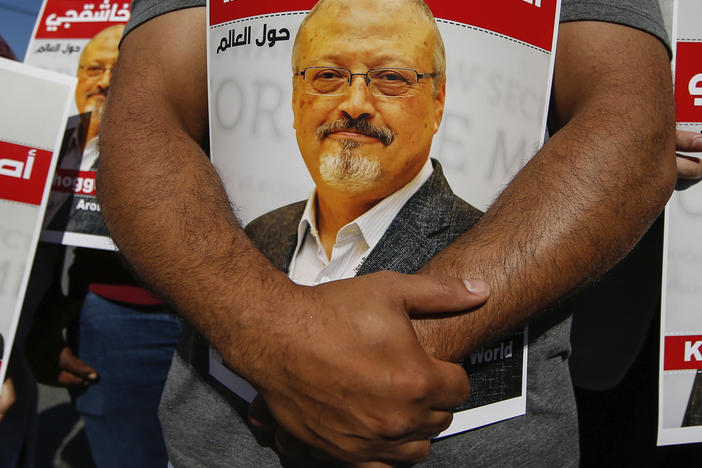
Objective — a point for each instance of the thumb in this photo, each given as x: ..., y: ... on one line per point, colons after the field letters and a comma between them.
x: 7, y: 397
x: 260, y: 416
x: 688, y: 141
x: 433, y: 294
x: 70, y: 363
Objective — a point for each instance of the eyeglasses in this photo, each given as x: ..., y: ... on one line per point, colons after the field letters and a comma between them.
x: 93, y: 71
x: 383, y: 82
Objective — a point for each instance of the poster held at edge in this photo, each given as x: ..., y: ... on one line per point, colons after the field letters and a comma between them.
x: 492, y: 119
x: 79, y: 38
x: 680, y: 378
x: 32, y: 121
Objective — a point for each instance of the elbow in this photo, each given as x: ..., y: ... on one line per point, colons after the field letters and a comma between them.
x: 664, y: 160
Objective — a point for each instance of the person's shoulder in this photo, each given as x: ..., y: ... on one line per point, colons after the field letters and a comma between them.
x: 644, y: 15
x: 144, y: 10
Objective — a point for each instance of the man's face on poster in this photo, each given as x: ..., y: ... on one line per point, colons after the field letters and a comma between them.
x: 95, y: 71
x: 369, y: 139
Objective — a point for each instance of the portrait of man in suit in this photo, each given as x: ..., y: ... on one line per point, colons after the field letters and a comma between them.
x: 367, y: 103
x: 79, y: 149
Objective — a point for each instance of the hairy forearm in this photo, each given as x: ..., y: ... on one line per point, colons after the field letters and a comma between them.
x: 583, y: 201
x: 163, y: 201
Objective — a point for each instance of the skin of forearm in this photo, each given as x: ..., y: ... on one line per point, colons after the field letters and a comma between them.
x: 179, y: 198
x: 583, y: 201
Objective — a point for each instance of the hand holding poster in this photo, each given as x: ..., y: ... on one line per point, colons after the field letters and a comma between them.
x: 32, y: 119
x: 370, y: 100
x: 680, y: 381
x: 81, y: 39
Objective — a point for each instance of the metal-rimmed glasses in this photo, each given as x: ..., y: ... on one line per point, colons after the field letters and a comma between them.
x: 383, y: 82
x: 94, y: 70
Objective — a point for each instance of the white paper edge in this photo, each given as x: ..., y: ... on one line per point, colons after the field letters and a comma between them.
x: 505, y: 409
x: 674, y: 435
x: 494, y: 412
x: 679, y: 435
x: 462, y: 421
x: 662, y: 440
x: 78, y: 239
x: 229, y: 379
x: 70, y: 83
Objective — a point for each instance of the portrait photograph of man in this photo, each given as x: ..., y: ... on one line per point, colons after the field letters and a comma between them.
x: 72, y: 205
x: 368, y: 98
x: 492, y: 99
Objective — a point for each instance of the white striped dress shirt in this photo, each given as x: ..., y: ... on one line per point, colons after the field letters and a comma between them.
x: 354, y: 241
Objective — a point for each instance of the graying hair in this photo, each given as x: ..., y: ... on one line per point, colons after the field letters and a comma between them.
x: 438, y: 60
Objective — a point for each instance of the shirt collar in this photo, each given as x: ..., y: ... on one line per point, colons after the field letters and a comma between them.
x: 374, y: 222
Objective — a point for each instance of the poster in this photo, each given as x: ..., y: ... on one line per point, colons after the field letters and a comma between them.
x: 32, y: 120
x: 680, y: 380
x: 268, y: 141
x: 79, y: 38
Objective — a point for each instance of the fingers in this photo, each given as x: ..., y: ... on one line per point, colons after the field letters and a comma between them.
x: 372, y: 464
x: 689, y: 167
x: 66, y: 379
x: 289, y: 445
x: 455, y: 387
x: 260, y: 416
x: 688, y: 141
x: 442, y: 294
x: 409, y: 452
x: 73, y: 370
x: 7, y: 397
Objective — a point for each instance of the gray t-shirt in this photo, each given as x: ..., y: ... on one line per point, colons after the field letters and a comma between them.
x: 205, y: 424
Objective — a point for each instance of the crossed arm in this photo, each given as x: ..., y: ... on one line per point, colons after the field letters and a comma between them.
x: 573, y: 211
x: 168, y: 213
x: 584, y: 200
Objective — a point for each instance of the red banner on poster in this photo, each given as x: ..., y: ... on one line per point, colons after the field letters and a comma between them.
x: 23, y: 172
x: 683, y: 352
x: 72, y: 181
x: 80, y: 19
x: 688, y: 81
x: 530, y: 21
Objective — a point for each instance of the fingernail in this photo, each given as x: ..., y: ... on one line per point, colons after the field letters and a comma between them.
x: 477, y: 287
x: 92, y: 376
x: 697, y: 143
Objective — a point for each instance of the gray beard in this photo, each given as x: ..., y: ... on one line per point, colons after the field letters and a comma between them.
x: 348, y: 170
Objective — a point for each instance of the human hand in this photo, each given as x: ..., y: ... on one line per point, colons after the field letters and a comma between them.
x: 51, y: 359
x: 353, y: 380
x: 289, y: 446
x: 7, y: 397
x: 62, y: 370
x: 689, y: 167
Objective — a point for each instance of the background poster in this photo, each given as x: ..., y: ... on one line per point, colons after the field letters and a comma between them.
x: 499, y: 64
x: 32, y: 119
x: 78, y: 38
x: 680, y: 382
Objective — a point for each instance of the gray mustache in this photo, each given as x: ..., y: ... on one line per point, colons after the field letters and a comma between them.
x: 362, y: 126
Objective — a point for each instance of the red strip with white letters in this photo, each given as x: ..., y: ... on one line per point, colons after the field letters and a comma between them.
x: 530, y: 21
x: 72, y: 181
x: 688, y: 81
x: 683, y: 352
x: 80, y: 19
x: 23, y: 172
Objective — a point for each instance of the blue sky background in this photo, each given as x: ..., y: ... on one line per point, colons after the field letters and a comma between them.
x: 17, y: 19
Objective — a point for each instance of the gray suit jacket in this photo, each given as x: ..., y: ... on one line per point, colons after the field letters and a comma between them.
x: 430, y: 220
x: 194, y: 403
